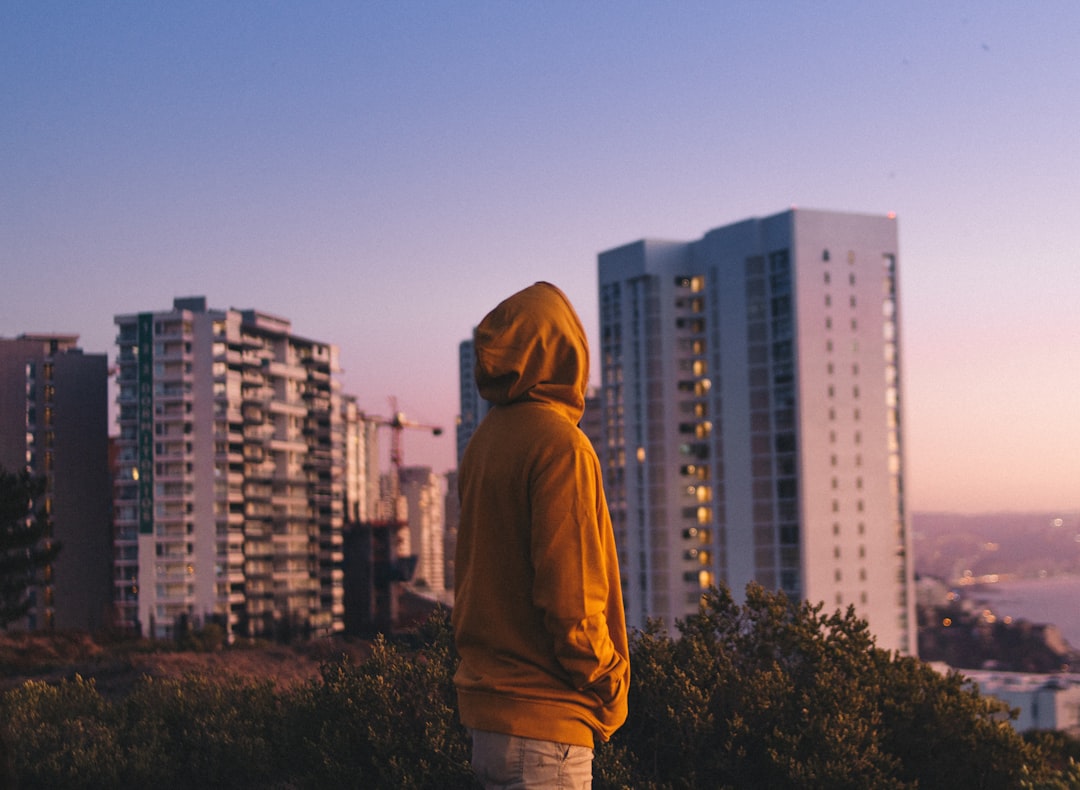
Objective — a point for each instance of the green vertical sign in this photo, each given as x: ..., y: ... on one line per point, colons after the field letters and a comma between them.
x: 146, y: 422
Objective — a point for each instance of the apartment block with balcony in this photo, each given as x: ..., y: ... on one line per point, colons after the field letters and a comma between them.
x: 229, y: 497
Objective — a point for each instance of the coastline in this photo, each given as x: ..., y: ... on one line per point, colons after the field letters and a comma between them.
x: 1049, y: 600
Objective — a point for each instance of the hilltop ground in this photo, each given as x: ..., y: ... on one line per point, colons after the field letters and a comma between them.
x: 116, y: 666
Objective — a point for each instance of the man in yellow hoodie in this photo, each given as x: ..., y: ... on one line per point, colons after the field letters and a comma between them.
x: 538, y: 615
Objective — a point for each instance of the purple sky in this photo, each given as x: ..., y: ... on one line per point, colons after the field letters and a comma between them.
x: 383, y: 173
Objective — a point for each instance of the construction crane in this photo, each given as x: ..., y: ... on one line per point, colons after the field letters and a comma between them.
x: 374, y: 589
x: 397, y: 423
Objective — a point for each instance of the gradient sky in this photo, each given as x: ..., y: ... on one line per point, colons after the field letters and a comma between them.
x: 382, y: 174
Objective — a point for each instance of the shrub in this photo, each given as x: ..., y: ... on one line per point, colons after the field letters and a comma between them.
x: 773, y: 693
x: 62, y: 735
x: 767, y: 693
x: 387, y: 722
x: 202, y: 732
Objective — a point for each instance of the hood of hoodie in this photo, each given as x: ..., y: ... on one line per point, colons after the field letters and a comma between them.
x: 532, y: 347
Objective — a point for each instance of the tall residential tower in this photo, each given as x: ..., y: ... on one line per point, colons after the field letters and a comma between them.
x: 230, y: 488
x: 54, y: 422
x: 752, y: 417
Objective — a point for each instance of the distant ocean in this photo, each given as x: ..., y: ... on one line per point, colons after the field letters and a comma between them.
x: 1054, y: 600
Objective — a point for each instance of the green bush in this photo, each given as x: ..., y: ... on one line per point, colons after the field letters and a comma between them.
x: 202, y: 732
x: 387, y: 722
x: 772, y: 693
x: 62, y: 736
x: 766, y: 693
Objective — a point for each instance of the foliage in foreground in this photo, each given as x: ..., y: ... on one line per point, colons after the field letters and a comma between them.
x: 763, y: 694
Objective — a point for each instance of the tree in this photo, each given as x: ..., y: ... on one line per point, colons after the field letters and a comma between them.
x: 24, y: 546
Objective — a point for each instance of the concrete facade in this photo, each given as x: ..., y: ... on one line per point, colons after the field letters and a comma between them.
x: 473, y: 407
x: 230, y: 487
x: 54, y: 422
x: 752, y: 417
x: 424, y: 498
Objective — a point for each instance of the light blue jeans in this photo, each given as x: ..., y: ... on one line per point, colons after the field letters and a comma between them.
x: 508, y: 762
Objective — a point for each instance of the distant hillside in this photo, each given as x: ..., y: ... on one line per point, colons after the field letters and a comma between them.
x: 1026, y: 544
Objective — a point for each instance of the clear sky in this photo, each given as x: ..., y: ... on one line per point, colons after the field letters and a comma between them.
x: 383, y: 173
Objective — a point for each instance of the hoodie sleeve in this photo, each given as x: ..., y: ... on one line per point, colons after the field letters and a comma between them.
x: 575, y: 564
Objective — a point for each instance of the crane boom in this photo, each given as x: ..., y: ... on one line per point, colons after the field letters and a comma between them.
x: 397, y: 423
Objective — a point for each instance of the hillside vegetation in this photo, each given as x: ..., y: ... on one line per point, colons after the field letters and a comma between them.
x: 763, y: 694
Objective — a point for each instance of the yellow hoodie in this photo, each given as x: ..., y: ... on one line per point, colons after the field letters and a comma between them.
x: 538, y: 615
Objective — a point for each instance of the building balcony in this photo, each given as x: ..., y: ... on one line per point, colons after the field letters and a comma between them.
x: 292, y: 409
x: 283, y: 370
x: 287, y: 445
x: 174, y: 353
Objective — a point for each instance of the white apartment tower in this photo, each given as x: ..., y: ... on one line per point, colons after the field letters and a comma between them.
x: 362, y: 476
x: 423, y: 494
x: 752, y: 417
x: 229, y: 493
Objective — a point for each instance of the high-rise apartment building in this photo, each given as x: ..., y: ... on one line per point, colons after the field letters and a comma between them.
x: 362, y: 476
x: 452, y: 520
x: 54, y: 422
x: 752, y: 420
x: 423, y: 493
x: 229, y: 498
x: 473, y: 407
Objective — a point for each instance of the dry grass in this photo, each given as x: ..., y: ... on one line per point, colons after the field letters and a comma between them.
x: 115, y: 666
